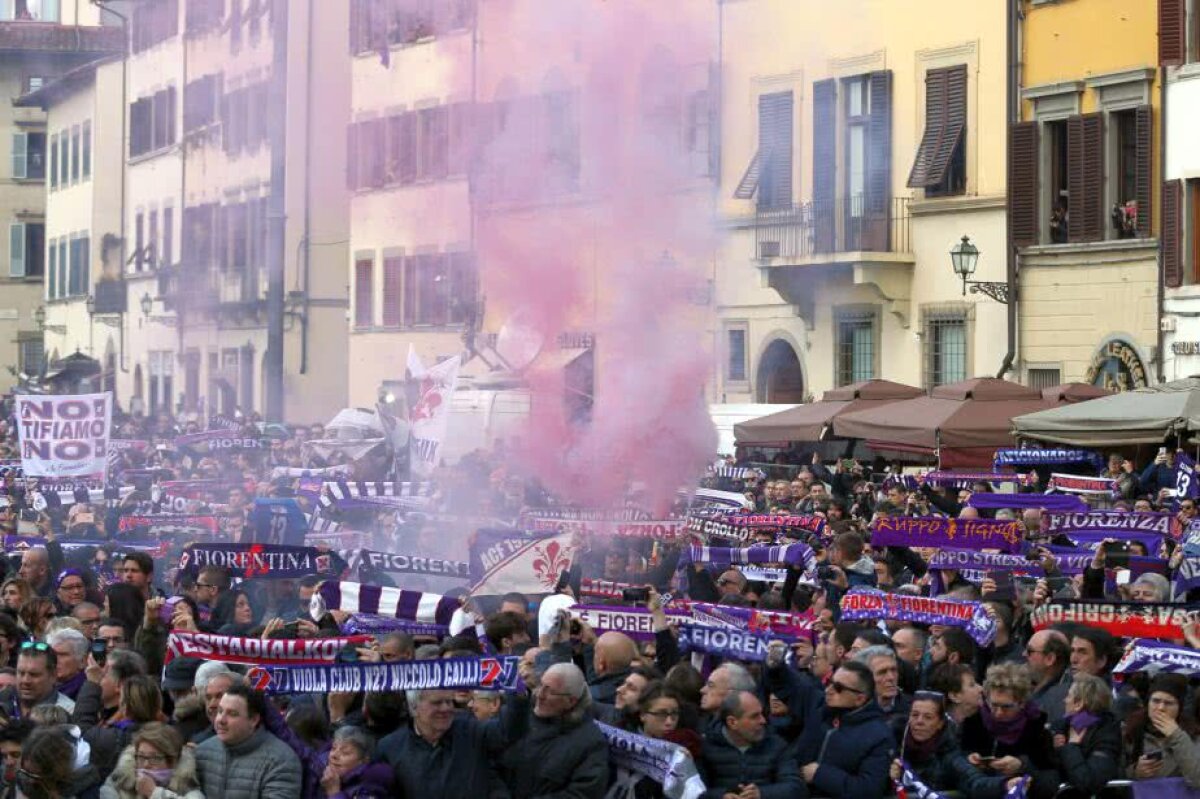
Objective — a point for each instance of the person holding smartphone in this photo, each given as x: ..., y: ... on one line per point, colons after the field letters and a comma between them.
x: 1162, y: 739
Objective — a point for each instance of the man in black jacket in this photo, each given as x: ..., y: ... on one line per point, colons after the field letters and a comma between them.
x: 856, y: 744
x: 445, y: 753
x: 742, y: 757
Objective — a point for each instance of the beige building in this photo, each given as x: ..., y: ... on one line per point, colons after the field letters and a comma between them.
x: 83, y: 224
x: 850, y: 165
x: 40, y: 40
x: 197, y: 182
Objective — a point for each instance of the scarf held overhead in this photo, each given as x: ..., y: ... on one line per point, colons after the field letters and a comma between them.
x: 258, y: 651
x: 270, y: 561
x: 382, y: 601
x: 666, y: 763
x: 938, y: 532
x: 492, y: 673
x: 1144, y: 654
x: 867, y: 604
x: 1122, y: 619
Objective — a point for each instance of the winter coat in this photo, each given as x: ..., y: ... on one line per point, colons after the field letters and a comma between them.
x: 122, y: 783
x: 947, y: 769
x: 557, y: 756
x: 1180, y: 757
x: 1095, y: 760
x: 766, y: 764
x: 805, y: 700
x: 861, y: 573
x: 463, y: 762
x: 261, y: 766
x: 854, y: 756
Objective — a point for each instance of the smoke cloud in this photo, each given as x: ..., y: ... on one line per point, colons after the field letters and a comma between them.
x: 596, y: 213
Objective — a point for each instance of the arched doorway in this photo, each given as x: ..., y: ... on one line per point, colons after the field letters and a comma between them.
x: 780, y: 377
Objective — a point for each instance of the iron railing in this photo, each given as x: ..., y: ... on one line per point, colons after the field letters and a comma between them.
x: 847, y: 224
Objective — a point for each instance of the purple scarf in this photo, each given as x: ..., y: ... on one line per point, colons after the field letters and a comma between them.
x: 71, y: 687
x: 1082, y: 720
x: 1009, y: 731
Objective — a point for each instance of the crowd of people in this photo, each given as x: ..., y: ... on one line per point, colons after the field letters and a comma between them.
x: 88, y: 708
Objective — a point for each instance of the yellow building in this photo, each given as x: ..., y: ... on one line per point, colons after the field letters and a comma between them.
x: 1083, y: 190
x: 850, y: 165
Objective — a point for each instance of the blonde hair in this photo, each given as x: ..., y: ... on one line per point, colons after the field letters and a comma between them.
x: 1011, y: 678
x: 163, y: 737
x: 1092, y: 692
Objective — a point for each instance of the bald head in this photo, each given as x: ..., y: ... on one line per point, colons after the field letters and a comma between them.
x: 35, y: 566
x: 614, y: 653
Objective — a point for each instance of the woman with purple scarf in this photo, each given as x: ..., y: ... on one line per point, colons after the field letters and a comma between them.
x: 1008, y: 737
x: 1087, y: 741
x: 929, y: 748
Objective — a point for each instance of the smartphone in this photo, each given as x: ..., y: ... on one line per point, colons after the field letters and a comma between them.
x: 1153, y: 755
x: 1116, y: 554
x: 99, y: 651
x: 1004, y: 585
x: 292, y: 628
x: 636, y: 595
x: 1055, y: 584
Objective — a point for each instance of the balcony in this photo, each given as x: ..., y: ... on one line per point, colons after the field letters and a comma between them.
x: 795, y: 246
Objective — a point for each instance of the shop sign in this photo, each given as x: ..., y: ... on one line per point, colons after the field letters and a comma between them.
x: 1185, y: 348
x: 1118, y: 367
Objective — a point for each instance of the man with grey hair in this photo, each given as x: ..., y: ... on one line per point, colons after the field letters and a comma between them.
x: 71, y: 647
x: 212, y: 683
x: 446, y: 753
x: 725, y: 678
x: 35, y: 570
x: 885, y: 669
x: 563, y: 753
x: 742, y: 757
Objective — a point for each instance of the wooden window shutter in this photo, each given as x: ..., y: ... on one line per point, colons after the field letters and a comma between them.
x: 935, y: 129
x: 1085, y: 177
x: 876, y: 234
x: 1023, y: 221
x: 824, y: 163
x: 1145, y: 170
x: 1172, y: 32
x: 775, y: 144
x: 1172, y: 233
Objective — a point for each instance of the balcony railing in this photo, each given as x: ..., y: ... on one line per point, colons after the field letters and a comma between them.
x: 847, y: 224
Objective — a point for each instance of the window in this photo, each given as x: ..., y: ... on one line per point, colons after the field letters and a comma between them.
x: 235, y: 25
x: 29, y: 155
x: 433, y: 129
x: 243, y: 119
x: 699, y: 133
x: 363, y: 292
x: 53, y: 162
x: 64, y: 141
x: 31, y: 355
x: 439, y: 289
x: 162, y: 378
x: 1060, y: 200
x: 858, y: 110
x: 77, y: 285
x: 940, y: 165
x: 945, y: 343
x: 1039, y: 379
x: 200, y: 101
x: 152, y: 23
x: 36, y: 10
x: 735, y: 365
x: 152, y: 122
x: 63, y: 285
x: 855, y: 336
x: 202, y: 16
x: 52, y: 284
x: 393, y: 288
x: 26, y: 241
x: 87, y: 150
x: 152, y: 241
x: 1123, y: 215
x: 76, y: 154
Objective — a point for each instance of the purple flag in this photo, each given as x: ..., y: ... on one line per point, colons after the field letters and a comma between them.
x: 940, y: 532
x: 1050, y: 502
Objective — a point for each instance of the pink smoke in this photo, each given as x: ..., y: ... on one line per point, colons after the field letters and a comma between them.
x: 614, y: 234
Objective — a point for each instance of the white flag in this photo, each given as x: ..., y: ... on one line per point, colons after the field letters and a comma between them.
x: 430, y: 414
x: 64, y: 435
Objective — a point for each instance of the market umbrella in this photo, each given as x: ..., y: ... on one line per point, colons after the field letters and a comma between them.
x: 974, y: 415
x: 1142, y: 416
x: 812, y: 422
x: 1074, y: 392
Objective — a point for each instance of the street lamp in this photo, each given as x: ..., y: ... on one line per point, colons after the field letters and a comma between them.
x: 39, y: 316
x: 964, y: 257
x: 91, y: 305
x: 147, y: 303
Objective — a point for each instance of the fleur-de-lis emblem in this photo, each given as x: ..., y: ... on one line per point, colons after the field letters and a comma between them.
x: 550, y: 563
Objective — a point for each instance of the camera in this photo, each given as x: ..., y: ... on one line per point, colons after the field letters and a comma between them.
x: 635, y: 594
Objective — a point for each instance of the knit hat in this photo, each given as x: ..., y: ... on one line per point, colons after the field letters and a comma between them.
x: 1173, y: 684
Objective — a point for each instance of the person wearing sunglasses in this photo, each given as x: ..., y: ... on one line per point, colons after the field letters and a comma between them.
x: 851, y: 755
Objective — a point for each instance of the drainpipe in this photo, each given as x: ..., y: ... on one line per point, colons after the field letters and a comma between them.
x: 307, y: 240
x: 1159, y: 360
x: 1014, y: 114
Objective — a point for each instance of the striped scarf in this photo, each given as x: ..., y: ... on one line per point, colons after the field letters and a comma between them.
x: 383, y: 601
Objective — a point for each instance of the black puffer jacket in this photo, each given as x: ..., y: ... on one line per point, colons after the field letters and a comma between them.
x: 855, y: 754
x: 767, y: 765
x: 1095, y: 760
x: 556, y: 757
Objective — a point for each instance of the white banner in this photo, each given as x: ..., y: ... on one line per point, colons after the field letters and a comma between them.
x: 64, y: 435
x: 430, y: 414
x: 530, y: 566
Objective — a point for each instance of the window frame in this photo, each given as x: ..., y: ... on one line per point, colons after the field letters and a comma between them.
x: 844, y: 315
x: 732, y: 382
x: 936, y: 316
